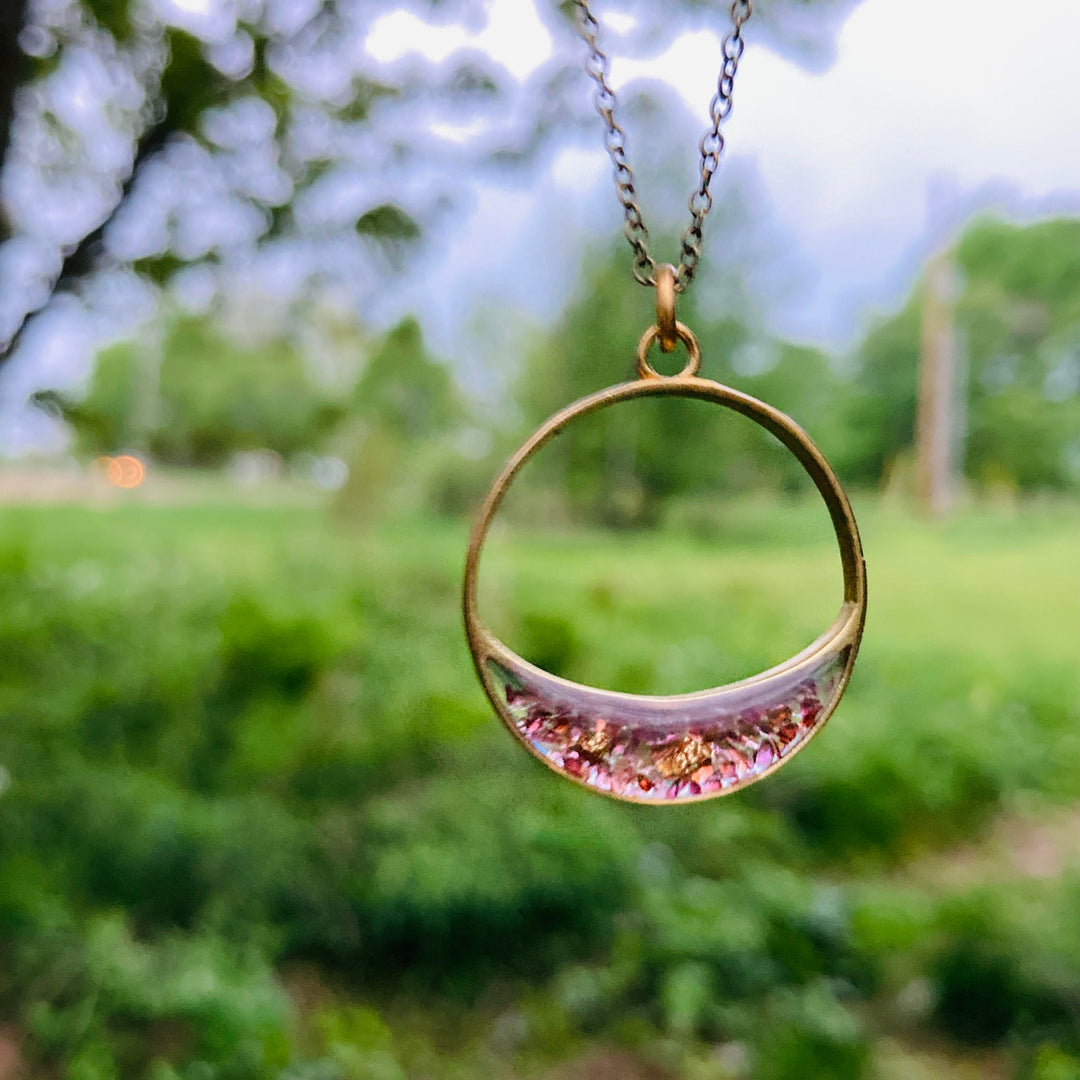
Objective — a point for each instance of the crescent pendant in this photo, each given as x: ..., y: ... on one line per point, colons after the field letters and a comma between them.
x: 686, y: 747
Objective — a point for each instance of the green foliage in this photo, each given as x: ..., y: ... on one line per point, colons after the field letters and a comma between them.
x: 879, y: 419
x: 266, y: 750
x: 1030, y: 263
x: 366, y: 92
x: 391, y: 228
x: 204, y: 398
x: 1018, y: 319
x: 409, y: 416
x: 1011, y: 952
x: 104, y: 421
x: 405, y: 390
x: 112, y: 15
x: 111, y: 1004
x: 190, y: 84
x: 457, y: 898
x: 1021, y: 316
x: 388, y: 222
x: 360, y: 1045
x: 615, y: 466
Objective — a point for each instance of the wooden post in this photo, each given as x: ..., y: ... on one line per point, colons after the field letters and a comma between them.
x: 935, y: 446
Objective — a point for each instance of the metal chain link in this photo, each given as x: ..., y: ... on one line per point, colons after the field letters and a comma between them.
x: 711, y: 145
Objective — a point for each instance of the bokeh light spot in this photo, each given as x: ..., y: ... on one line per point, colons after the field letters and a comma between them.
x: 122, y: 471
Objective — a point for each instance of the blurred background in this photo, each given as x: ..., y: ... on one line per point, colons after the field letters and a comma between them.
x: 282, y: 283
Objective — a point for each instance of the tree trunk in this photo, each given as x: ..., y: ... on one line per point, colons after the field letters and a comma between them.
x: 936, y: 415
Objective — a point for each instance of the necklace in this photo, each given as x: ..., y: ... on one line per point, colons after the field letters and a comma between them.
x: 682, y: 747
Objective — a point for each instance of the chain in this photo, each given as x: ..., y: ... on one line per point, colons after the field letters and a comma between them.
x: 711, y: 145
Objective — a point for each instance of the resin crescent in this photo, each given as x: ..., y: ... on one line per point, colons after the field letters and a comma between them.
x: 683, y: 747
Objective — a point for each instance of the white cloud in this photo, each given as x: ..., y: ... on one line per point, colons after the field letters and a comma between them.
x: 513, y: 34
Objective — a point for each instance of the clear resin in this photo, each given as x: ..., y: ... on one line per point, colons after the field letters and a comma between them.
x: 650, y: 748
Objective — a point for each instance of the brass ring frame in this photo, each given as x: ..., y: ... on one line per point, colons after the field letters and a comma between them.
x: 845, y: 632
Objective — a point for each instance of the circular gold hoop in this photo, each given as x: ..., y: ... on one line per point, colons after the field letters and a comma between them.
x: 685, y: 747
x: 684, y: 334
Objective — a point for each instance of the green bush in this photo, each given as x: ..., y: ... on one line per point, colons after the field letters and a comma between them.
x: 239, y: 743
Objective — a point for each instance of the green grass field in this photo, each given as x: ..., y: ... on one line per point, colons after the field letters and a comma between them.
x: 256, y: 819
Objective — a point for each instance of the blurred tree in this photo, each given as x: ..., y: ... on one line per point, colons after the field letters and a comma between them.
x: 618, y: 465
x: 404, y: 390
x: 213, y: 397
x: 408, y: 416
x: 1018, y: 316
x: 271, y: 113
x: 1019, y: 320
x: 611, y: 465
x: 879, y: 424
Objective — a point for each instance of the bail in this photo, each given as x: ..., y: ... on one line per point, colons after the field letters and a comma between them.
x: 665, y: 307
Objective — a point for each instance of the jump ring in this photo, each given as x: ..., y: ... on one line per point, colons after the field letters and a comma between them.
x: 645, y: 370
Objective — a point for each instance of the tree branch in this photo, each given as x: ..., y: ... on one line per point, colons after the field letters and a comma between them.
x: 13, y: 67
x: 85, y: 256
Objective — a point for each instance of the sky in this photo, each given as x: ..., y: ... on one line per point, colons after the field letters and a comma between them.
x: 863, y: 168
x: 856, y: 170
